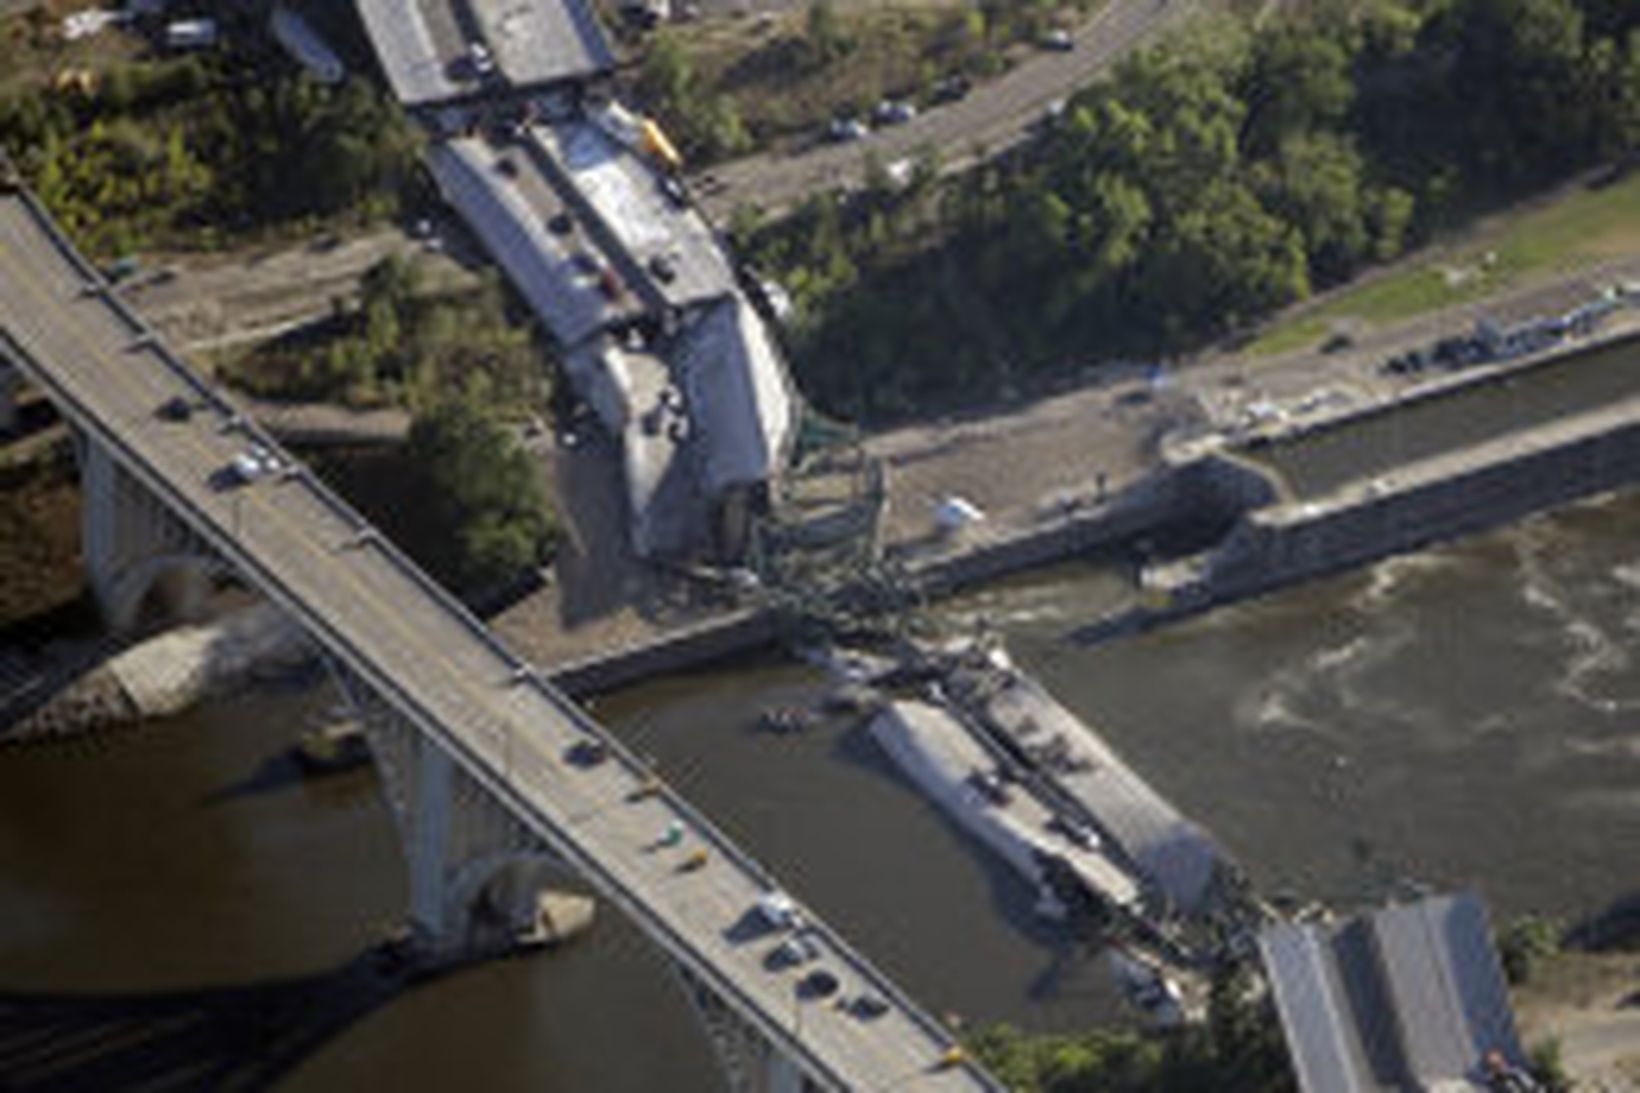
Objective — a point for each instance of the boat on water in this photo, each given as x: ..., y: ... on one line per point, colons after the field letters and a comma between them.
x: 787, y: 719
x: 334, y: 746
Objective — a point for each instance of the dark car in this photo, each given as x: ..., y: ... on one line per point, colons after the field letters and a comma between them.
x: 795, y: 951
x: 952, y: 88
x: 818, y: 984
x: 587, y: 753
x: 176, y: 409
x: 673, y: 190
x: 867, y: 1007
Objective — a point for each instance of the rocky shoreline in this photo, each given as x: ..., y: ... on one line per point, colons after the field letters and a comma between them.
x: 167, y: 674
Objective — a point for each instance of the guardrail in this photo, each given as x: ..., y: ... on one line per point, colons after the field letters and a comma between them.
x: 359, y: 660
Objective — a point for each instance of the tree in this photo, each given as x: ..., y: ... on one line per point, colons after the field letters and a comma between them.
x: 1519, y: 78
x: 486, y: 491
x: 1619, y: 124
x: 1222, y: 263
x: 824, y: 33
x: 1299, y: 81
x: 1319, y: 190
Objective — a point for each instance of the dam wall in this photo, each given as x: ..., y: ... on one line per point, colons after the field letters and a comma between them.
x: 1435, y: 499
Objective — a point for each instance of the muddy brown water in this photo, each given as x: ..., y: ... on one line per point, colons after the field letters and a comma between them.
x: 1467, y: 716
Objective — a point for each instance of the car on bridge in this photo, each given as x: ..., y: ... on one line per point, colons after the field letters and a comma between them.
x: 867, y: 1007
x: 177, y: 409
x: 778, y: 911
x: 798, y: 949
x: 251, y: 465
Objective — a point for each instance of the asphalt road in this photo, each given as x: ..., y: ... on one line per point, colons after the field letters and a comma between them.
x: 290, y: 536
x: 260, y: 294
x: 995, y: 115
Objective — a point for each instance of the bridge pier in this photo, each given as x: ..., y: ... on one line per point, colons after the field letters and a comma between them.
x: 138, y: 555
x: 475, y: 872
x: 10, y: 381
x: 749, y: 1061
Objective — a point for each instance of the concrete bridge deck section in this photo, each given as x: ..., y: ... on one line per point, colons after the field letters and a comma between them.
x: 425, y: 46
x: 440, y: 669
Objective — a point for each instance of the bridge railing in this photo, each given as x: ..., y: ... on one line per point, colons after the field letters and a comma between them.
x: 474, y: 763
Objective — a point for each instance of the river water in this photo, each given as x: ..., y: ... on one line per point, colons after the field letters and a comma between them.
x: 1467, y: 716
x: 1318, y: 464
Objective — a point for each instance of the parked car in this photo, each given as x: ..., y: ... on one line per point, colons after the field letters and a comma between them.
x: 952, y: 88
x: 845, y: 130
x: 893, y: 112
x: 673, y: 190
x: 990, y: 786
x: 1075, y: 831
x: 1059, y: 40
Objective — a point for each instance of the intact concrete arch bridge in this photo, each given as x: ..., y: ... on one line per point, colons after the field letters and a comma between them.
x: 474, y: 747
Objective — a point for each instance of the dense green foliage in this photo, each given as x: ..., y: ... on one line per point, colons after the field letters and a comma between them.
x: 1524, y: 944
x: 180, y: 151
x: 485, y: 491
x: 401, y: 346
x: 1238, y: 1049
x: 1205, y: 183
x: 704, y: 122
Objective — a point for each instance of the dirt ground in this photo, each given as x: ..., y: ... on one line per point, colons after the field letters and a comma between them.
x: 39, y: 541
x: 1590, y: 1004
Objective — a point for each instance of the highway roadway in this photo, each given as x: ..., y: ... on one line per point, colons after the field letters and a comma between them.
x: 995, y: 115
x: 442, y: 670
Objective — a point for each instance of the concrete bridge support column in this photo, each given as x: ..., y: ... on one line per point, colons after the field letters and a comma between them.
x: 137, y: 554
x: 10, y: 381
x: 475, y: 873
x: 750, y: 1062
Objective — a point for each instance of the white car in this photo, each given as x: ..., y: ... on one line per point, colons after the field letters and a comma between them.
x: 778, y: 910
x: 846, y: 130
x: 255, y: 462
x: 893, y: 112
x: 1059, y: 40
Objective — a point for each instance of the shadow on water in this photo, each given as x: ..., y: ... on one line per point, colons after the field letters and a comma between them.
x: 284, y: 771
x: 275, y: 773
x: 214, y: 1038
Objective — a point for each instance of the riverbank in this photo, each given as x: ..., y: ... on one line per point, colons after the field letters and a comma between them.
x: 1060, y: 477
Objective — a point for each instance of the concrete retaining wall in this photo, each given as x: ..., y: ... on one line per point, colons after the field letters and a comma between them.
x: 669, y: 652
x: 1212, y: 488
x: 1424, y: 503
